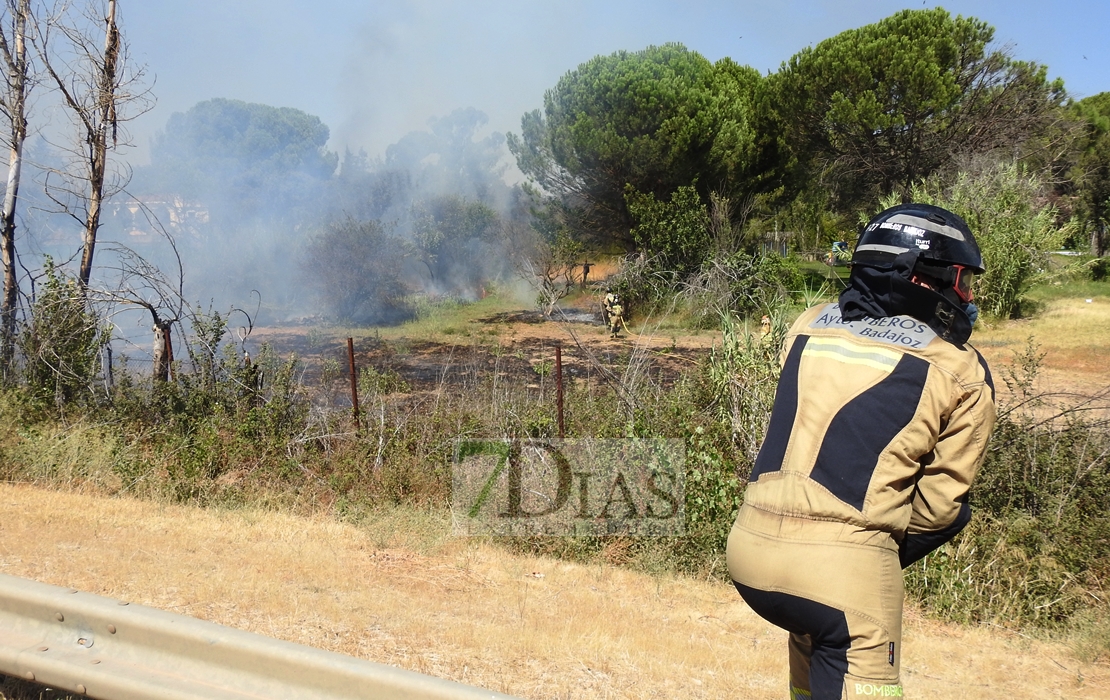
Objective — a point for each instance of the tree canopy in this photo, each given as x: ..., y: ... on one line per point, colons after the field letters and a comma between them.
x: 452, y: 158
x: 452, y: 237
x: 656, y: 119
x: 251, y: 154
x: 875, y: 109
x: 1091, y: 174
x: 867, y: 112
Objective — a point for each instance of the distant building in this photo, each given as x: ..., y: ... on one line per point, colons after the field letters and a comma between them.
x: 776, y: 242
x: 136, y: 219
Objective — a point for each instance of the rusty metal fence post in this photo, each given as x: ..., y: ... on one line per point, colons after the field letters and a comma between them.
x: 559, y: 388
x: 354, y: 382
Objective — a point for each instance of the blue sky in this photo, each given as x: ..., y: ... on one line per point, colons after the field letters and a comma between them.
x: 373, y: 71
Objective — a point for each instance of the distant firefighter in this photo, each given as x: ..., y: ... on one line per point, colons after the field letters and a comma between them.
x: 611, y: 299
x: 616, y: 318
x: 252, y: 379
x: 765, y: 324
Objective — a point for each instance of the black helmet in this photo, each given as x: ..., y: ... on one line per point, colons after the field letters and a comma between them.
x: 942, y: 238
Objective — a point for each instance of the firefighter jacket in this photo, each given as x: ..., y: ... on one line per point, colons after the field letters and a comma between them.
x: 879, y: 424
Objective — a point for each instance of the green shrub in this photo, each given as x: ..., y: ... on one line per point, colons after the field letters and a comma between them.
x: 1099, y: 269
x: 741, y: 284
x: 373, y: 382
x: 355, y: 268
x: 743, y: 374
x: 676, y: 232
x: 60, y: 343
x: 1014, y: 224
x: 644, y: 285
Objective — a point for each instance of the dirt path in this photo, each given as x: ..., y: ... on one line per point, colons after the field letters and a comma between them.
x: 399, y: 591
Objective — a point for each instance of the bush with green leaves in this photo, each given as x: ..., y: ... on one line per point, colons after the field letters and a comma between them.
x: 60, y: 343
x: 357, y: 270
x: 644, y: 285
x: 675, y: 233
x: 743, y: 373
x: 1012, y: 220
x: 1098, y: 269
x: 453, y: 239
x: 743, y: 284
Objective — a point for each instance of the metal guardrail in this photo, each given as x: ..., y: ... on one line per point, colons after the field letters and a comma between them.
x: 107, y: 649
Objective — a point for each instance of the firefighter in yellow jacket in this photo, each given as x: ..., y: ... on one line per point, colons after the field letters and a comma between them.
x: 880, y: 422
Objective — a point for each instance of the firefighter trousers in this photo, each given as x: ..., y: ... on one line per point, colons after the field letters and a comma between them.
x: 837, y: 591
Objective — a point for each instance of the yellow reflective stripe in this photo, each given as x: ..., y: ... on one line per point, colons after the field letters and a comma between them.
x: 846, y: 351
x: 797, y: 693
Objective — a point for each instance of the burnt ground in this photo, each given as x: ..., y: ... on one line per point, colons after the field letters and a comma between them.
x: 516, y: 345
x: 519, y: 345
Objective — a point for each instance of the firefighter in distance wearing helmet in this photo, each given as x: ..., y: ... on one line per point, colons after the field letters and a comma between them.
x: 614, y: 313
x: 611, y: 298
x: 880, y: 423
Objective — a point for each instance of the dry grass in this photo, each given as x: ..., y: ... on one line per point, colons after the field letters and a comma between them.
x: 399, y: 591
x: 1071, y: 332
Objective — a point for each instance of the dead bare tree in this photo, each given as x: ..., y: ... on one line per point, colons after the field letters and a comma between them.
x: 136, y: 281
x: 16, y: 15
x: 101, y: 90
x: 549, y: 277
x: 139, y: 282
x: 548, y: 267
